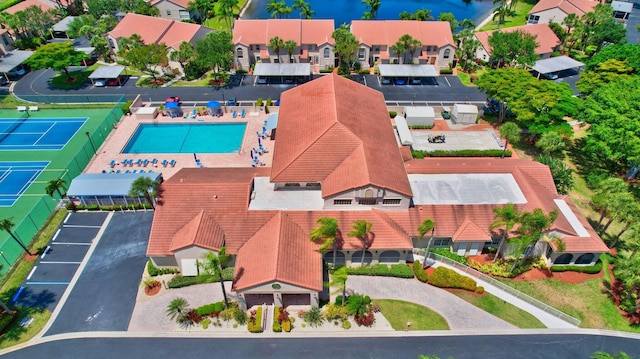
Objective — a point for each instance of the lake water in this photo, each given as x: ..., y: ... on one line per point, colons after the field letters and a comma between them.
x: 343, y: 11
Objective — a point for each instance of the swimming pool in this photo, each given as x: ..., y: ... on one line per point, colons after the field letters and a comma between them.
x: 187, y: 138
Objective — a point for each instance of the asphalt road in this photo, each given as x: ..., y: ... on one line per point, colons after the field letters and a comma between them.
x: 448, y: 88
x: 105, y: 294
x: 552, y: 346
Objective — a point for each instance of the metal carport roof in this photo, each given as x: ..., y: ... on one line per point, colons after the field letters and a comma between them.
x: 107, y: 72
x: 63, y: 25
x: 387, y: 70
x: 556, y: 64
x: 262, y: 69
x: 106, y: 184
x: 622, y: 6
x: 13, y: 59
x: 403, y: 131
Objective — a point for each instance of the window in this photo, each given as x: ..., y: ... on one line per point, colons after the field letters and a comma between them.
x: 367, y: 201
x: 290, y: 184
x: 239, y: 53
x: 341, y: 202
x: 428, y: 48
x: 361, y: 54
x: 391, y: 201
x: 313, y: 184
x: 326, y: 53
x: 441, y: 242
x: 257, y: 47
x: 376, y: 49
x: 168, y: 12
x: 533, y: 19
x: 310, y: 48
x: 447, y: 53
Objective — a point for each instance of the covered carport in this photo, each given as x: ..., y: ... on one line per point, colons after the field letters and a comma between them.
x: 284, y: 73
x: 60, y: 29
x: 555, y: 65
x: 621, y: 9
x: 107, y: 189
x: 107, y: 73
x: 13, y: 61
x: 413, y: 74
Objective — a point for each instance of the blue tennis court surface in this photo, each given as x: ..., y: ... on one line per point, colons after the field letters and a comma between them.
x: 37, y: 133
x: 15, y: 178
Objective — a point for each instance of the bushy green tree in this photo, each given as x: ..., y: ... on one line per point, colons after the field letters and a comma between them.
x: 561, y: 173
x: 346, y: 46
x: 514, y: 48
x: 146, y: 187
x: 58, y: 56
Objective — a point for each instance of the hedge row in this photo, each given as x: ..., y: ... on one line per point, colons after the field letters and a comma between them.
x: 382, y: 270
x: 419, y: 271
x: 446, y: 252
x: 448, y: 278
x: 155, y: 271
x: 255, y: 324
x: 209, y: 309
x: 446, y: 71
x: 8, y: 3
x: 459, y: 153
x: 180, y: 281
x: 594, y: 269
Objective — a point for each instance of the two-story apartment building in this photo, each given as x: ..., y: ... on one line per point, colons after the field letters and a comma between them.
x: 546, y: 40
x: 172, y: 9
x: 546, y: 11
x: 313, y: 39
x: 377, y: 37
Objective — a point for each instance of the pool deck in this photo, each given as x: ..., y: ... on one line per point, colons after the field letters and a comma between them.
x: 114, y: 144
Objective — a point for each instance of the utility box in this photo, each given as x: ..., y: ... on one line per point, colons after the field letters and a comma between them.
x: 419, y: 115
x: 464, y: 114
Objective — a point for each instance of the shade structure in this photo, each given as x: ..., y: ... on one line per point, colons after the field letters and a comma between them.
x: 213, y: 104
x: 213, y: 108
x: 172, y: 109
x: 272, y: 122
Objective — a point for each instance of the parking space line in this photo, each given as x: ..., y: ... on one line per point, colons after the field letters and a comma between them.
x: 74, y: 244
x: 54, y: 262
x: 44, y: 253
x: 32, y: 271
x: 46, y: 283
x: 446, y: 79
x: 79, y: 226
x: 67, y: 218
x: 56, y: 235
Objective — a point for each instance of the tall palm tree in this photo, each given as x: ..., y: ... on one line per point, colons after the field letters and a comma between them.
x: 290, y: 46
x: 510, y: 132
x: 501, y: 12
x: 304, y: 8
x: 372, y: 9
x: 4, y: 306
x: 627, y: 270
x: 213, y: 264
x: 227, y: 10
x: 276, y: 43
x: 428, y: 225
x: 361, y: 230
x: 177, y: 308
x: 507, y: 217
x: 339, y: 279
x: 55, y: 185
x: 144, y: 186
x: 326, y: 232
x: 532, y: 225
x: 7, y: 225
x: 201, y: 9
x: 606, y: 190
x: 276, y: 8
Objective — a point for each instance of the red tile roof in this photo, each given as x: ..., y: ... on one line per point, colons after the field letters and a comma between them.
x: 337, y: 132
x: 259, y: 32
x: 545, y: 37
x: 578, y: 7
x: 388, y: 32
x: 470, y: 232
x: 44, y: 5
x: 155, y: 30
x: 202, y: 231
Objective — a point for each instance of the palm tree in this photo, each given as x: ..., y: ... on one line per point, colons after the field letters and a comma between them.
x: 177, y: 308
x: 276, y: 8
x: 372, y: 9
x: 213, y: 265
x: 361, y: 230
x: 7, y: 225
x: 501, y: 12
x: 627, y: 270
x: 326, y: 233
x: 290, y: 46
x: 510, y: 132
x: 276, y: 43
x: 201, y: 9
x: 227, y: 10
x: 184, y: 54
x: 4, y: 306
x: 304, y: 8
x: 55, y: 185
x: 397, y: 49
x: 428, y: 225
x: 570, y: 22
x: 606, y: 190
x: 605, y: 355
x: 507, y: 217
x: 144, y: 186
x: 532, y: 225
x: 339, y: 279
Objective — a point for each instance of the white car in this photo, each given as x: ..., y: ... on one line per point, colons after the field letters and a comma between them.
x: 262, y: 80
x: 100, y: 83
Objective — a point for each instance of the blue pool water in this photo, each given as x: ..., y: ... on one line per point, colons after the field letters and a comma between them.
x: 187, y: 138
x: 343, y: 11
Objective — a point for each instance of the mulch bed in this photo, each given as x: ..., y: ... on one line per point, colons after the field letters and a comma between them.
x: 153, y: 289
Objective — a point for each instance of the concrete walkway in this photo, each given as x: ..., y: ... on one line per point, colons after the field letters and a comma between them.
x: 458, y: 313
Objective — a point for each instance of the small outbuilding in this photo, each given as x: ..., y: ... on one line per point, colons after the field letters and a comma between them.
x: 404, y: 134
x: 107, y: 189
x: 464, y: 114
x: 419, y: 115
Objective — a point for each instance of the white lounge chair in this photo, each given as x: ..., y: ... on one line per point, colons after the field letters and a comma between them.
x: 33, y: 108
x: 22, y: 108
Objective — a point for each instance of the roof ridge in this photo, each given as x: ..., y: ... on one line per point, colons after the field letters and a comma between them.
x: 171, y: 22
x: 390, y: 222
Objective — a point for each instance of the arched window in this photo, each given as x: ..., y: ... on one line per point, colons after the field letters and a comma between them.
x: 447, y: 53
x: 239, y: 53
x: 368, y: 193
x: 586, y: 258
x: 327, y: 52
x: 564, y: 259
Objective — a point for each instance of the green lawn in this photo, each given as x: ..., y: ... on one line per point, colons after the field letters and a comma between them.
x: 519, y: 17
x: 398, y: 313
x: 501, y: 309
x: 77, y: 80
x: 17, y: 334
x: 465, y: 78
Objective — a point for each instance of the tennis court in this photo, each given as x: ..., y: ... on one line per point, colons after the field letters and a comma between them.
x: 15, y: 178
x: 37, y: 133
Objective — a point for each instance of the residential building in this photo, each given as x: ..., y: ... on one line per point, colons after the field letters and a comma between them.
x: 377, y: 37
x: 6, y: 42
x: 546, y: 39
x: 43, y: 4
x: 156, y: 30
x: 313, y: 39
x: 336, y: 156
x: 172, y: 9
x: 546, y: 11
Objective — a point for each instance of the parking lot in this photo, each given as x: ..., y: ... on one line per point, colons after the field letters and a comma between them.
x: 53, y: 271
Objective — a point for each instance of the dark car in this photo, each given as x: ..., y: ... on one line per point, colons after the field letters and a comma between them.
x: 232, y: 102
x: 118, y: 81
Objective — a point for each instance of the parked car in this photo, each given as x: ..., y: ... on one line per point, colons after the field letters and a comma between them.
x: 550, y: 76
x: 173, y: 99
x: 3, y: 81
x: 415, y: 81
x: 262, y: 80
x: 19, y: 71
x: 118, y: 81
x: 385, y: 81
x: 401, y: 82
x: 232, y: 102
x: 100, y: 83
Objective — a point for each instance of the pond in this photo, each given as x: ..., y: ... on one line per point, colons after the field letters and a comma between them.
x: 343, y: 11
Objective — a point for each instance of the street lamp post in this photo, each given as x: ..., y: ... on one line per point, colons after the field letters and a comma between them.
x: 91, y: 142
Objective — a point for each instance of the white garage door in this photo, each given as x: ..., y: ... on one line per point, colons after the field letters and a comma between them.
x: 189, y: 267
